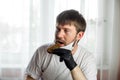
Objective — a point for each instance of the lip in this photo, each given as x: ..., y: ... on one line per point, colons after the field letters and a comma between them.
x: 61, y: 43
x: 69, y: 46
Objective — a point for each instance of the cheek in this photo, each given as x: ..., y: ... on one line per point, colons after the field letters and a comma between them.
x: 70, y: 37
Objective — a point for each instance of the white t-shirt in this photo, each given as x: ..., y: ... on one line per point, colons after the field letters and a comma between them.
x: 45, y: 66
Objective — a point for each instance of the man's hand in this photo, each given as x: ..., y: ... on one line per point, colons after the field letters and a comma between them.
x: 66, y: 56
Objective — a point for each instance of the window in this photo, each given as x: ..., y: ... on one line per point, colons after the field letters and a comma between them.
x: 14, y: 38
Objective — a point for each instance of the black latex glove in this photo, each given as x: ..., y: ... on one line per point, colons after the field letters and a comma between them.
x: 66, y: 56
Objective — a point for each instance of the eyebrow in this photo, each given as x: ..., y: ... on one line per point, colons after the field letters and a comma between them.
x: 62, y: 28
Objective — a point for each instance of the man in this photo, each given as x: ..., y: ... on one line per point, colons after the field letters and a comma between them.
x: 72, y: 63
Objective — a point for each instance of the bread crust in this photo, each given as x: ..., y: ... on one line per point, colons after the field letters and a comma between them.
x: 52, y: 47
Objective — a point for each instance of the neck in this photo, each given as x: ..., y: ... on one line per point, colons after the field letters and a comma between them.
x: 74, y: 49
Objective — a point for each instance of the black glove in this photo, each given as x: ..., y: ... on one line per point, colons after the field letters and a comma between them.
x: 66, y: 56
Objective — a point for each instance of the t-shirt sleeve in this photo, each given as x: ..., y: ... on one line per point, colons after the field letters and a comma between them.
x: 34, y: 67
x: 89, y: 67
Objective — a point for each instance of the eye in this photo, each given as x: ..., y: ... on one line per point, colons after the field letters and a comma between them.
x: 57, y: 29
x: 67, y: 30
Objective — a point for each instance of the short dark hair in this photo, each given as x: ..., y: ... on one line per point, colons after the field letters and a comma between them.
x: 72, y: 17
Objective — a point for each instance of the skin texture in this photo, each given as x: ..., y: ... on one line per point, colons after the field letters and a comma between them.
x: 77, y: 74
x: 67, y: 34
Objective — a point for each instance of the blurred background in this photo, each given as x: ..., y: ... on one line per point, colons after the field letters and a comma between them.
x: 27, y: 24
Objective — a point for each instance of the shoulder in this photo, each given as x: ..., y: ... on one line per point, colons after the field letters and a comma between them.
x: 42, y: 50
x: 88, y: 63
x: 44, y: 47
x: 86, y: 56
x: 83, y: 51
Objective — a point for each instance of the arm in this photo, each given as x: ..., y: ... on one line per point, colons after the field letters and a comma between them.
x: 77, y: 74
x: 66, y: 55
x: 33, y: 71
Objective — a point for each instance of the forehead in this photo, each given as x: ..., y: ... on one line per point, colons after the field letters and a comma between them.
x: 69, y: 26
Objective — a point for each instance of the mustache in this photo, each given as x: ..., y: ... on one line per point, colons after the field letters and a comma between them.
x: 60, y: 41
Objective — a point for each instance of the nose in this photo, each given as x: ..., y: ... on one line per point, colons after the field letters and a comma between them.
x: 60, y: 34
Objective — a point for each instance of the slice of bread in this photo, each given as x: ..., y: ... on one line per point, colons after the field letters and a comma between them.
x: 52, y: 47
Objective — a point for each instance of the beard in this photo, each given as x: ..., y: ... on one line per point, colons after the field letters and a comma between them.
x: 64, y: 43
x: 69, y: 46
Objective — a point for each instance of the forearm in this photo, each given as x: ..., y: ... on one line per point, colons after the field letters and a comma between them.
x: 67, y: 56
x: 77, y: 74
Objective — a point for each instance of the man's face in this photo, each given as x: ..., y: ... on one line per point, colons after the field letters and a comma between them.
x: 65, y: 34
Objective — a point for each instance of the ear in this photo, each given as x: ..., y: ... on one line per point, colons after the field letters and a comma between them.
x: 80, y: 35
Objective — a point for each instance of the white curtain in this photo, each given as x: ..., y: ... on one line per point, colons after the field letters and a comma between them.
x: 14, y: 38
x: 115, y: 51
x: 107, y: 46
x: 31, y: 23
